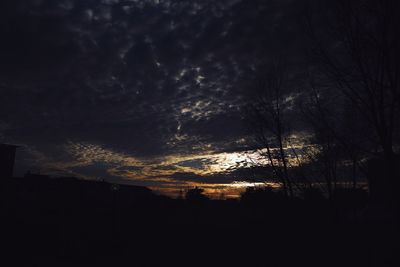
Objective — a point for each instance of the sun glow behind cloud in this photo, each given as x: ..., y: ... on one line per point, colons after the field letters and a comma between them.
x: 170, y: 174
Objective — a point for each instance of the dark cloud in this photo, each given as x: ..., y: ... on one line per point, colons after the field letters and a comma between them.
x: 147, y: 77
x: 247, y: 174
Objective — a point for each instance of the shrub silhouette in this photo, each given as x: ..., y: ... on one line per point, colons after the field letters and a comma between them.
x: 195, y: 195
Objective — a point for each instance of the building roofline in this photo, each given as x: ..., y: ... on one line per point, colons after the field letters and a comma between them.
x: 9, y: 145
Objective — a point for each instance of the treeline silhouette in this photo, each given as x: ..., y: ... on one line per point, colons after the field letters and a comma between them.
x: 346, y: 103
x: 350, y: 105
x: 71, y: 222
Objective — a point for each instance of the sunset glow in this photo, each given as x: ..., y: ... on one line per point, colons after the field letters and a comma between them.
x: 215, y: 172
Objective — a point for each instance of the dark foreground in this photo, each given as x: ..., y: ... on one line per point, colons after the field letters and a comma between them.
x: 76, y: 223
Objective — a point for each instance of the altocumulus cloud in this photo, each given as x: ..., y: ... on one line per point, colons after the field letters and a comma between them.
x: 134, y: 89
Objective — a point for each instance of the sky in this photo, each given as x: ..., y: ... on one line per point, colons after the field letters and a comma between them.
x: 145, y: 92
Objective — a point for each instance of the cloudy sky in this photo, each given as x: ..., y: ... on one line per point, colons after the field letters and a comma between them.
x: 147, y: 92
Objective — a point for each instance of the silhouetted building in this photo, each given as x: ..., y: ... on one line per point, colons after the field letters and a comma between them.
x: 7, y: 159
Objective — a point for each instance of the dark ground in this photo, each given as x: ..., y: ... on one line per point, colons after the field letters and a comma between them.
x: 66, y: 222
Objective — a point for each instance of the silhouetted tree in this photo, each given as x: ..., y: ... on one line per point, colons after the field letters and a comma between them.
x: 258, y: 195
x: 363, y: 62
x: 319, y: 115
x: 195, y: 194
x: 268, y: 123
